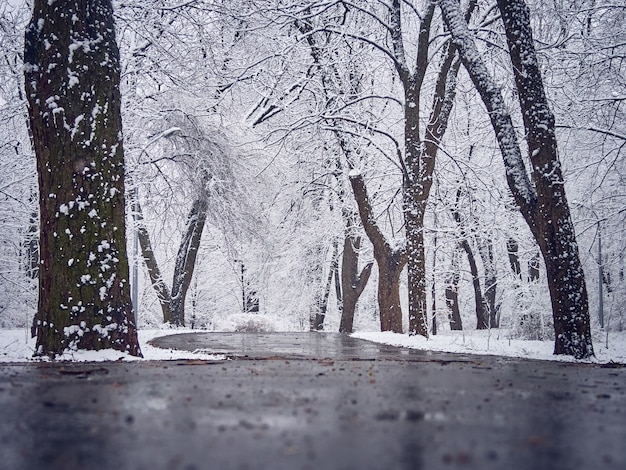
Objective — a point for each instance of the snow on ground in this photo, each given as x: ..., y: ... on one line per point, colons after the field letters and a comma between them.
x: 18, y: 346
x: 496, y: 342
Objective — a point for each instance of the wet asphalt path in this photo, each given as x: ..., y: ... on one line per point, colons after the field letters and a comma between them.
x: 312, y: 401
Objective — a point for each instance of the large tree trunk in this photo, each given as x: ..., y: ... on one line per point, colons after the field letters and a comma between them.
x: 419, y: 162
x: 72, y: 84
x: 389, y: 259
x: 186, y: 260
x: 550, y: 220
x: 542, y: 203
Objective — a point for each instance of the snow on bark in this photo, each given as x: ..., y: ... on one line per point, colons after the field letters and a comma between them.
x: 84, y: 296
x: 516, y: 174
x: 544, y: 204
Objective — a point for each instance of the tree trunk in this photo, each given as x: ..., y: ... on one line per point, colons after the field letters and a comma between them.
x: 550, y: 220
x: 419, y: 162
x: 452, y: 293
x: 482, y: 320
x: 322, y: 307
x: 542, y: 203
x: 72, y: 84
x: 485, y: 249
x: 158, y: 283
x: 512, y: 248
x: 390, y: 261
x: 352, y: 282
x: 186, y: 260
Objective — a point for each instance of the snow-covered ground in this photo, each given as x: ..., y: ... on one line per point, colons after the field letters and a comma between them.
x: 496, y: 342
x: 17, y: 346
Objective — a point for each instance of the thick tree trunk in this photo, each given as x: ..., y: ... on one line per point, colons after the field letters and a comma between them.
x: 390, y: 261
x: 420, y: 155
x: 186, y: 260
x: 543, y: 203
x: 72, y: 84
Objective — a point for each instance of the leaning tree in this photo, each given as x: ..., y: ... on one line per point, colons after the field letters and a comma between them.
x: 540, y: 198
x: 72, y: 80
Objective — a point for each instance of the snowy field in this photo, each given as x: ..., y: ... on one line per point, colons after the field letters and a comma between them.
x: 17, y: 346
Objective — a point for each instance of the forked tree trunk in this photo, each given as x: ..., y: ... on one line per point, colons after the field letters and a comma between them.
x: 158, y: 283
x: 186, y: 260
x: 482, y: 320
x: 352, y: 281
x: 419, y: 161
x: 389, y: 259
x: 72, y: 79
x: 542, y: 203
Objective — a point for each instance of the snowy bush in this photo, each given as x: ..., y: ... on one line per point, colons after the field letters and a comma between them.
x: 245, y: 323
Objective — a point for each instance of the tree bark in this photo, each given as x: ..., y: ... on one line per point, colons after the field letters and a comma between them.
x: 389, y: 259
x: 512, y: 247
x: 352, y: 281
x: 186, y: 260
x: 322, y: 306
x: 485, y: 249
x: 147, y: 253
x: 542, y: 203
x: 419, y: 162
x: 452, y: 293
x: 72, y: 84
x: 482, y: 320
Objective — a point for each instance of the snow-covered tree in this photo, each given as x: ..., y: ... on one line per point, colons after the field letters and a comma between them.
x: 72, y: 77
x: 541, y: 198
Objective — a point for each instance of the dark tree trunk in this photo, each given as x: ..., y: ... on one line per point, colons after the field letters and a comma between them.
x: 533, y: 268
x: 542, y: 203
x: 550, y: 219
x: 485, y: 249
x: 419, y: 161
x: 158, y: 283
x: 72, y: 85
x: 482, y: 319
x: 452, y: 294
x: 390, y: 261
x: 512, y: 248
x: 353, y: 283
x: 186, y: 260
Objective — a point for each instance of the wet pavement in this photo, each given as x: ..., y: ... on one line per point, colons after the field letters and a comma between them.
x: 312, y: 401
